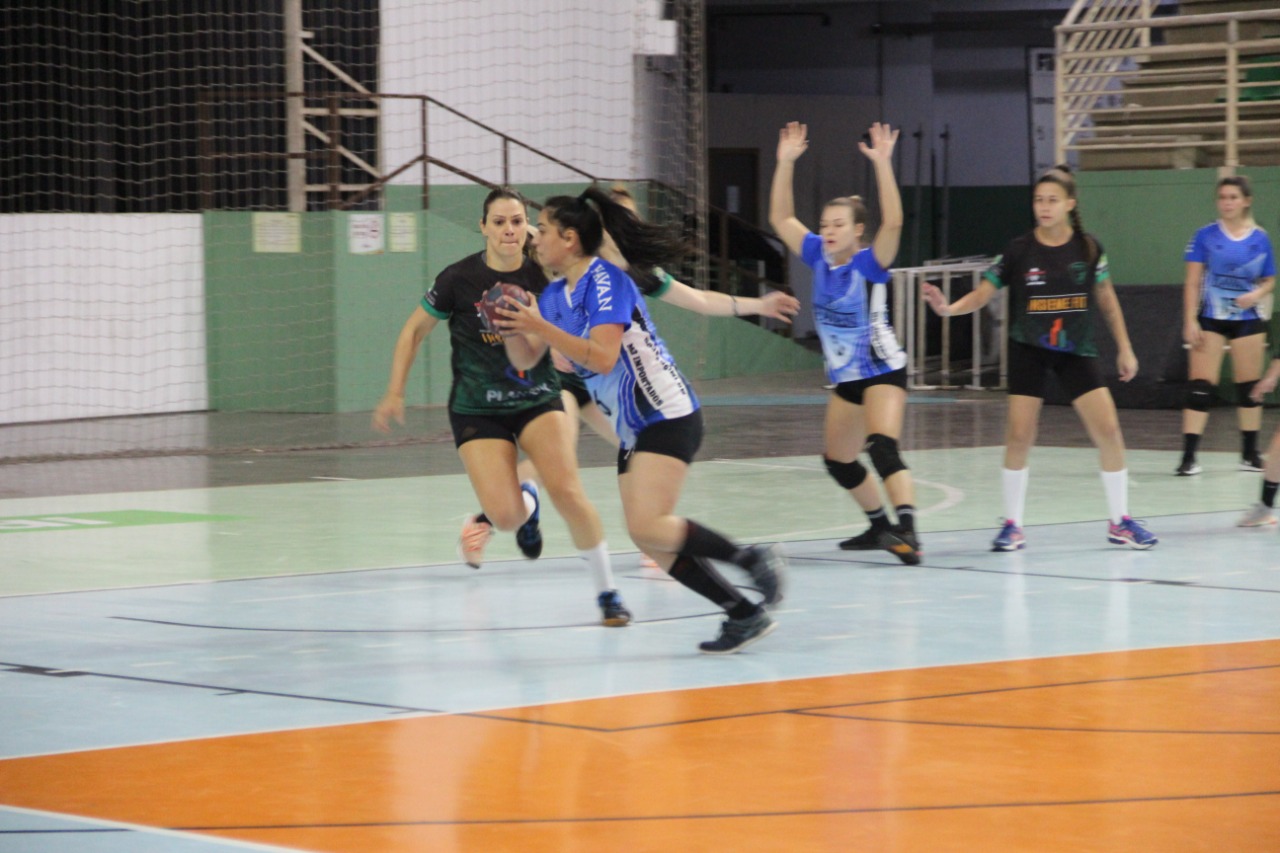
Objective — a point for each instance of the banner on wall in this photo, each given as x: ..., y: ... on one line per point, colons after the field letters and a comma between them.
x: 366, y: 233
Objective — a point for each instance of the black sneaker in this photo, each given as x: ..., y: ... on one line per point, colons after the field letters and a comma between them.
x: 1187, y: 468
x: 615, y: 612
x: 867, y: 540
x: 529, y: 535
x: 737, y: 634
x: 902, y: 544
x: 768, y: 568
x: 1252, y: 463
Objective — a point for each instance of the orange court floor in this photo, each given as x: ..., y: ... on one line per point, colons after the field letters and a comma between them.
x: 1164, y: 749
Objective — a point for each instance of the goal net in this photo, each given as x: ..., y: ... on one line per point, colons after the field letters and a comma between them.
x: 213, y: 221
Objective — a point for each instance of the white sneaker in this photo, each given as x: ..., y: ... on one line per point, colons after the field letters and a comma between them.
x: 474, y: 536
x: 1258, y: 515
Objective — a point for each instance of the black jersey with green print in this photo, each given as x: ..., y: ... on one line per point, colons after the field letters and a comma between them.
x: 1051, y: 299
x: 484, y: 382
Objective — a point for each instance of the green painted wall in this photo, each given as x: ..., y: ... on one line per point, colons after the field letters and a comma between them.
x: 1144, y: 218
x: 313, y: 331
x: 269, y: 318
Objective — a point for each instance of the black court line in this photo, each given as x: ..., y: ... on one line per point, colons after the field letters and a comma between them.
x: 813, y: 710
x: 496, y: 629
x: 220, y: 690
x: 1075, y: 729
x: 1049, y: 575
x: 853, y: 810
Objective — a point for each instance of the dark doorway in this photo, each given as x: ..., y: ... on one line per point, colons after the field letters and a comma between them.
x: 734, y: 179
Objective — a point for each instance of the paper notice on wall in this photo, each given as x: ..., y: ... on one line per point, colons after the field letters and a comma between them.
x: 403, y: 229
x: 366, y: 233
x: 277, y: 232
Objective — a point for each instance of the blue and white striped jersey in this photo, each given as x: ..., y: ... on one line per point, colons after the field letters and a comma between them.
x: 645, y: 386
x: 1231, y: 267
x: 851, y: 311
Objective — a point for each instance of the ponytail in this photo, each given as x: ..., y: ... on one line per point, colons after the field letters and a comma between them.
x: 644, y: 244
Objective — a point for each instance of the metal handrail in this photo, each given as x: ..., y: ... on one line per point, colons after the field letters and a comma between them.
x: 910, y: 314
x: 333, y: 153
x: 1082, y: 87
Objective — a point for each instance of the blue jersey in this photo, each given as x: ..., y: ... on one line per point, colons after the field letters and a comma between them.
x: 645, y: 386
x: 851, y: 311
x: 1231, y: 268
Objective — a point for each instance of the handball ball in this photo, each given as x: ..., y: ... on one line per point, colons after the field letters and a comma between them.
x: 495, y: 297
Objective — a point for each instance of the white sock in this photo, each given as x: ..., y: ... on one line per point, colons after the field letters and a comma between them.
x: 1015, y: 493
x: 598, y: 562
x: 529, y: 504
x: 1116, y: 485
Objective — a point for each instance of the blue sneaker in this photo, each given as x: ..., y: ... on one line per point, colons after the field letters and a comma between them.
x: 614, y: 613
x: 529, y: 535
x: 1131, y: 533
x: 1009, y: 538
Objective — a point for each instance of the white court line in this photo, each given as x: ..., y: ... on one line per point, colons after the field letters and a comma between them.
x: 371, y: 591
x: 951, y: 495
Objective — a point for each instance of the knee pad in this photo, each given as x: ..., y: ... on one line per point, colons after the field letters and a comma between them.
x: 883, y: 451
x: 848, y: 474
x: 1244, y: 395
x: 1199, y: 395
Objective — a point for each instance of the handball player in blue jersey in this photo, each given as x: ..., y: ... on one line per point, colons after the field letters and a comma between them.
x: 851, y: 305
x: 1231, y: 268
x: 594, y: 315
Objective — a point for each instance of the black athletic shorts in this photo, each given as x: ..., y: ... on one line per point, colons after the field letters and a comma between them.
x: 507, y: 427
x: 680, y: 438
x: 573, y: 383
x: 1029, y: 368
x: 1232, y: 329
x: 853, y: 391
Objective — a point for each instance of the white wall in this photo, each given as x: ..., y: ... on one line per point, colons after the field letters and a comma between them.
x: 558, y: 75
x: 101, y: 315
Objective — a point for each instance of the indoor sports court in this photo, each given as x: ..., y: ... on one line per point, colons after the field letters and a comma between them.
x: 233, y: 617
x: 294, y: 658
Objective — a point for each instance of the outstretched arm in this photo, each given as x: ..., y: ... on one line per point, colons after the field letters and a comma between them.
x: 880, y: 153
x: 414, y: 331
x: 967, y: 304
x: 775, y: 303
x: 792, y: 142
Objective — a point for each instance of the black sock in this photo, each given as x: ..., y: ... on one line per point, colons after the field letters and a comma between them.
x: 701, y: 577
x: 1249, y: 443
x: 1190, y: 443
x: 701, y: 541
x: 879, y: 518
x: 906, y: 517
x: 1269, y: 492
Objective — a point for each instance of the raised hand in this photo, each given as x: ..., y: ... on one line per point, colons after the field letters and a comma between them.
x: 792, y: 141
x: 883, y: 138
